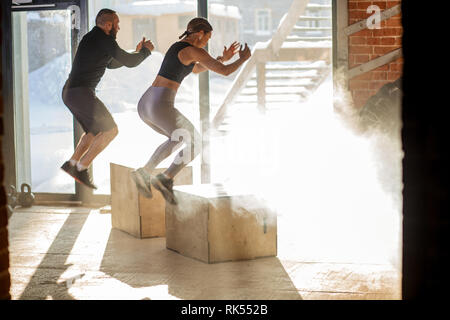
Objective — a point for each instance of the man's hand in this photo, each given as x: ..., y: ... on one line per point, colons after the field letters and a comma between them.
x: 149, y: 45
x: 139, y: 46
x: 230, y: 52
x: 244, y: 54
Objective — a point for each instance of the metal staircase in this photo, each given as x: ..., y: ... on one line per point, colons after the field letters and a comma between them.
x: 289, y: 73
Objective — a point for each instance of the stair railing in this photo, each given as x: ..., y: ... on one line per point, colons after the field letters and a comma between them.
x: 261, y: 53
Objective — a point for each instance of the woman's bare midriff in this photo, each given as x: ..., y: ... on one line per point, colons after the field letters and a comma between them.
x: 164, y: 82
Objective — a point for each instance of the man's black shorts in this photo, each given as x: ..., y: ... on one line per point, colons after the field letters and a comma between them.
x: 89, y: 111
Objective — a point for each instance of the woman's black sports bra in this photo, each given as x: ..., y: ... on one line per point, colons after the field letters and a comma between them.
x: 171, y: 67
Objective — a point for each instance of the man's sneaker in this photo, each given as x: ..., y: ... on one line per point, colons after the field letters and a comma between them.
x: 142, y: 180
x: 82, y: 177
x: 165, y: 186
x: 67, y: 167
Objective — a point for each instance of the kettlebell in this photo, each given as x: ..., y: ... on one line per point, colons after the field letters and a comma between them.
x: 26, y: 199
x: 12, y: 197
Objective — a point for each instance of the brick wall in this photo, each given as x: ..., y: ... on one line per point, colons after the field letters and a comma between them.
x: 5, y: 280
x: 368, y: 44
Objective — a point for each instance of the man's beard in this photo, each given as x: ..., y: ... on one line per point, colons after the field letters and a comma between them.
x: 113, y: 33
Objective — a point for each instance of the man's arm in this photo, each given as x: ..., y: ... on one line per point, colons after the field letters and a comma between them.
x: 114, y: 64
x: 123, y: 58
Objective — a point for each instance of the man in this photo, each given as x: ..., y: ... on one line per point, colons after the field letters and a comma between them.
x: 97, y: 51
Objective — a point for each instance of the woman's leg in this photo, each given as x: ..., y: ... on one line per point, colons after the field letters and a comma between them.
x: 161, y: 153
x: 190, y: 137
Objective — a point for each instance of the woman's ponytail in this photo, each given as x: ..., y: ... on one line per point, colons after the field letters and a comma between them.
x: 186, y: 33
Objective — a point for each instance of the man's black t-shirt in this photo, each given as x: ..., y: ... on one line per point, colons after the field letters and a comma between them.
x: 96, y: 52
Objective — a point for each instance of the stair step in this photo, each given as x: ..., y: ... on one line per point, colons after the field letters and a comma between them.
x: 275, y: 90
x: 317, y: 6
x: 301, y: 93
x: 313, y: 18
x: 271, y: 98
x: 302, y: 28
x: 308, y: 38
x: 278, y: 67
x: 289, y: 76
x: 281, y: 85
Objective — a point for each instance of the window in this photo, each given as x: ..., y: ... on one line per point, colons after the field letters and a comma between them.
x: 144, y: 27
x: 183, y: 21
x: 120, y: 89
x: 263, y: 23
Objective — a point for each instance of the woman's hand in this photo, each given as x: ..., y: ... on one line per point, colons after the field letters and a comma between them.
x: 230, y: 52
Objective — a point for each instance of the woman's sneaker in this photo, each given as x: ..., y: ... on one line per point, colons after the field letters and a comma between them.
x: 142, y: 180
x: 165, y: 186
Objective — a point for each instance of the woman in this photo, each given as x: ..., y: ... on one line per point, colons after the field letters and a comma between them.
x: 156, y: 106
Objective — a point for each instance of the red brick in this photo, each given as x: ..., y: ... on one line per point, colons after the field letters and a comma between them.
x: 364, y: 33
x: 388, y: 41
x: 392, y: 31
x: 381, y: 4
x: 394, y: 22
x: 360, y: 97
x: 391, y: 4
x: 384, y: 50
x: 379, y: 75
x: 376, y: 85
x: 361, y: 49
x: 382, y: 68
x: 373, y: 41
x: 392, y: 76
x: 365, y: 76
x: 358, y: 84
x: 396, y: 67
x: 361, y: 58
x: 360, y: 15
x: 357, y: 40
x: 364, y: 5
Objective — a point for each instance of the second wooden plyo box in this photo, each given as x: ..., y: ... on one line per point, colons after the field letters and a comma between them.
x: 213, y: 224
x: 133, y: 213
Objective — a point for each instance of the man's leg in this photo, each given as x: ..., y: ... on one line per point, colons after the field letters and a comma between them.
x: 83, y: 145
x: 98, y: 144
x: 99, y: 126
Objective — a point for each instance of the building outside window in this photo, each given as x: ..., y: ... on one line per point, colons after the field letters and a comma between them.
x: 263, y: 22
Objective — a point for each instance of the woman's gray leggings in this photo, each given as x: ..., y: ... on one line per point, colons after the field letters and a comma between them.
x: 156, y: 108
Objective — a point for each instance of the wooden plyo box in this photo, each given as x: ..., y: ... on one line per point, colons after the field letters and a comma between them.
x: 133, y: 213
x: 216, y: 225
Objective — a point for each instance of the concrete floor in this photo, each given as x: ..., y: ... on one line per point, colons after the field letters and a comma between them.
x: 73, y: 253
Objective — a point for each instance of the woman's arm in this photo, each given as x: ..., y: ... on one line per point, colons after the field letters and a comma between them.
x: 208, y: 62
x: 226, y: 55
x: 198, y: 68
